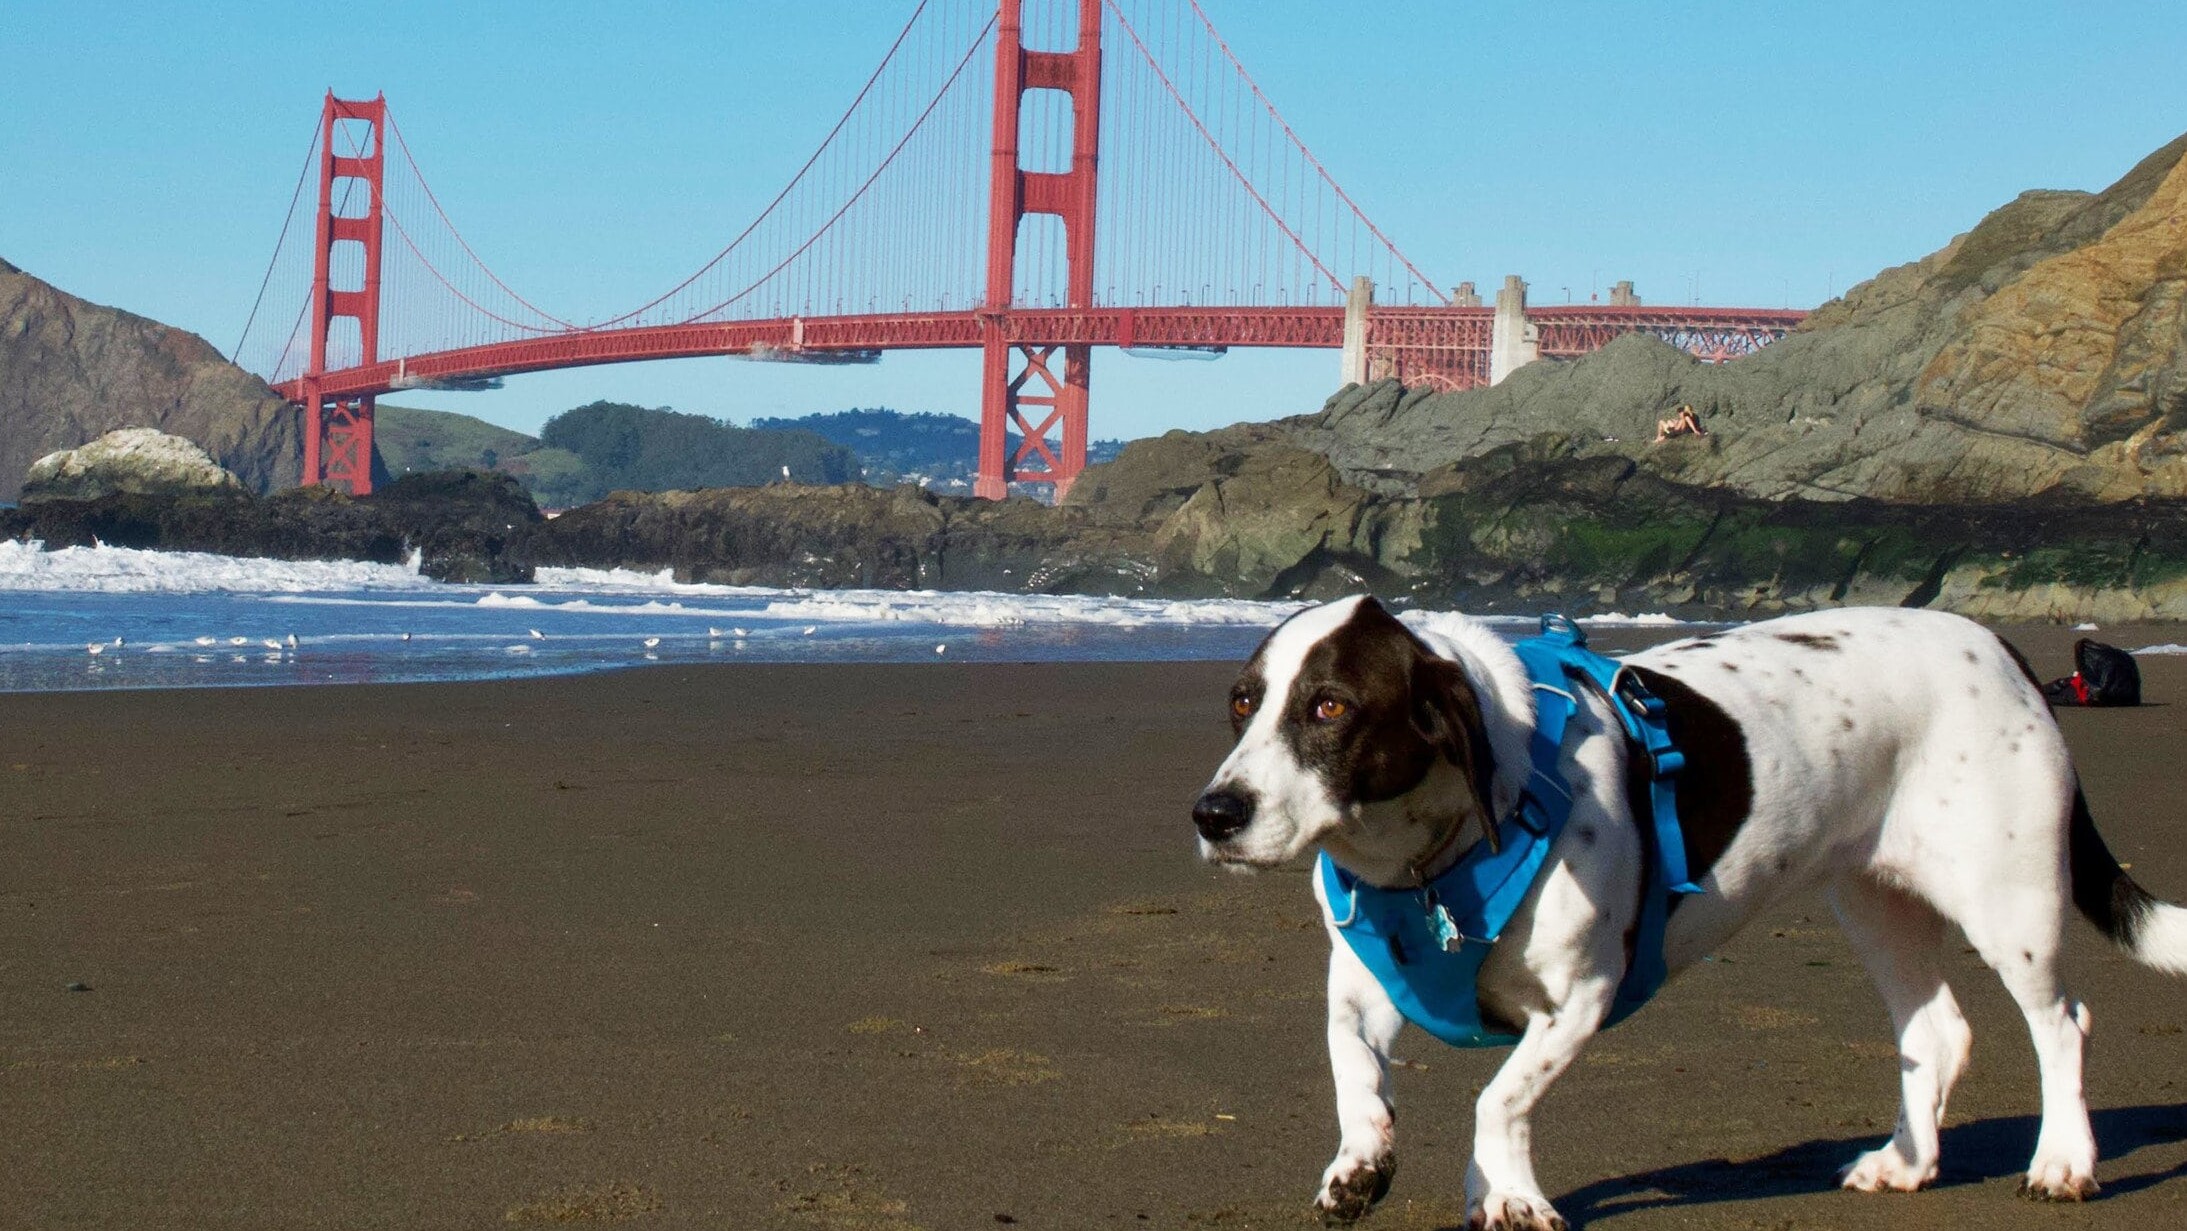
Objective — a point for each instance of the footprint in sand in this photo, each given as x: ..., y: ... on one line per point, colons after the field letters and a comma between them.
x: 1171, y: 1014
x: 1003, y: 1066
x: 840, y: 1197
x: 612, y: 1202
x: 1027, y: 970
x: 1770, y: 1017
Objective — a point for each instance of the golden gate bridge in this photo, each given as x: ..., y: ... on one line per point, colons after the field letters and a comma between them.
x: 1067, y: 120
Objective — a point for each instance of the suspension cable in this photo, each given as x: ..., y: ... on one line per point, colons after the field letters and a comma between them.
x: 296, y: 196
x: 1312, y: 161
x: 860, y: 191
x: 1220, y: 152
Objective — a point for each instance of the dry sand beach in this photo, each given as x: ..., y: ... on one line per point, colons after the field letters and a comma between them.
x: 876, y: 948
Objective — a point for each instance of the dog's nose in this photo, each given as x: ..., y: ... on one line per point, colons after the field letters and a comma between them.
x: 1220, y: 814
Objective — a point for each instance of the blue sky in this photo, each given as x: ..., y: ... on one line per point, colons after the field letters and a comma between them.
x: 1746, y: 154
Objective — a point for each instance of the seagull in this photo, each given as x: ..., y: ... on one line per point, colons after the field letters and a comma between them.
x: 406, y: 636
x: 738, y: 631
x: 117, y: 642
x: 650, y: 642
x: 95, y: 648
x: 292, y: 641
x: 810, y: 629
x: 270, y: 644
x: 537, y: 635
x: 207, y: 640
x: 239, y: 641
x: 942, y: 648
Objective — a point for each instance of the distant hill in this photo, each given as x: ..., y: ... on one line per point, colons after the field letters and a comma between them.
x: 933, y: 450
x: 71, y: 371
x: 413, y: 441
x: 631, y: 447
x: 583, y: 454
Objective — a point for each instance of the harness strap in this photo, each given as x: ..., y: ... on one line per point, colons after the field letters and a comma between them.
x: 1426, y: 945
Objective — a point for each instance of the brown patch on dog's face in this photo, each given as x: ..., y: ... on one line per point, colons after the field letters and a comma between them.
x: 1372, y: 710
x: 1365, y: 713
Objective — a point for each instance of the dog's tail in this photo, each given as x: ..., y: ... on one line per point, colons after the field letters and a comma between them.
x: 2154, y: 932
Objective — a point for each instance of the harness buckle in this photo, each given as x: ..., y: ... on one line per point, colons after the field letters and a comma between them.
x: 1529, y: 815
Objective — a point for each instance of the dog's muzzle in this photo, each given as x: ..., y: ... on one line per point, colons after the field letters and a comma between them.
x: 1221, y: 813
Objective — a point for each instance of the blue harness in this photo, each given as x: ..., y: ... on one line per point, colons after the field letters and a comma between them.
x: 1425, y: 945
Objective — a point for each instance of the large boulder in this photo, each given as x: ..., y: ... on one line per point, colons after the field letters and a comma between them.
x: 138, y: 461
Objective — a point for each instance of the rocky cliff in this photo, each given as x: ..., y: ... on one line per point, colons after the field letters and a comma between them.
x: 71, y: 371
x: 2039, y: 352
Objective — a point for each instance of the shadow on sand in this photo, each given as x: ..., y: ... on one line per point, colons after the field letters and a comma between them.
x: 1973, y: 1153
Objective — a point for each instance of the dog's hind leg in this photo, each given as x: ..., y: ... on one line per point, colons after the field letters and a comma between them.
x: 1899, y: 937
x: 1363, y: 1024
x: 2018, y: 934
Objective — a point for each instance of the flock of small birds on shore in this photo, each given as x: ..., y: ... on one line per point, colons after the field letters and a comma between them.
x: 290, y: 643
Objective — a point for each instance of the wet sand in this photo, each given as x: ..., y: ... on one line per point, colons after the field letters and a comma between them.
x: 874, y: 948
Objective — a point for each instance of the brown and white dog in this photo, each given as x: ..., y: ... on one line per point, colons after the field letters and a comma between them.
x: 1902, y: 759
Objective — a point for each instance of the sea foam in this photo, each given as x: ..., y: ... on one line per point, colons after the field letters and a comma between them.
x: 129, y: 570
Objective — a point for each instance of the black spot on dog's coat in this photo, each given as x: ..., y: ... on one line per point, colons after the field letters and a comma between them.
x: 1716, y: 789
x: 1810, y: 641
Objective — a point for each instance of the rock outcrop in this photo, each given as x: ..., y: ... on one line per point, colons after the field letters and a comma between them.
x: 463, y: 525
x: 140, y: 461
x: 848, y: 536
x: 71, y: 371
x: 2039, y: 352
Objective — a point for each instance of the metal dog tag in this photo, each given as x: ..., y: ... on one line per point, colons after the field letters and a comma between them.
x: 1445, y: 929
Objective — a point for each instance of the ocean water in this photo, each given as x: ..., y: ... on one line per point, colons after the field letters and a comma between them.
x: 111, y: 617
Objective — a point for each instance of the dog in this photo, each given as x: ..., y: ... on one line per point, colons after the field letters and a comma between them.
x: 1903, y: 759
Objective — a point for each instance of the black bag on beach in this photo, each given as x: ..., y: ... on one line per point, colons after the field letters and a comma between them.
x: 2107, y: 676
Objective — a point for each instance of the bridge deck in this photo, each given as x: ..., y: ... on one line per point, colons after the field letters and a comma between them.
x: 1566, y: 330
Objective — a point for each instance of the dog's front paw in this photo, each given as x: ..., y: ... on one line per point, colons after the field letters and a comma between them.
x: 1352, y: 1185
x: 1885, y: 1170
x: 2058, y: 1179
x: 1514, y: 1212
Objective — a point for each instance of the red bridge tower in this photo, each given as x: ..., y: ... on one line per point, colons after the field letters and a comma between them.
x: 1014, y: 192
x: 338, y: 431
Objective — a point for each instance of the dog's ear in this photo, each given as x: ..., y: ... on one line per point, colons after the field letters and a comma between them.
x: 1447, y: 716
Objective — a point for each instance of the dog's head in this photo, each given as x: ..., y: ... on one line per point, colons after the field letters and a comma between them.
x: 1340, y: 709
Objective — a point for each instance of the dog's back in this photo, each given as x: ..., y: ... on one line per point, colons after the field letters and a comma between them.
x: 1911, y: 745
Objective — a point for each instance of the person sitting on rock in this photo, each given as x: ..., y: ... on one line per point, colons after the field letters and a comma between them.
x: 1684, y: 423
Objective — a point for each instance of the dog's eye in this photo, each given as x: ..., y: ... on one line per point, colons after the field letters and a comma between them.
x: 1242, y: 705
x: 1330, y: 709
